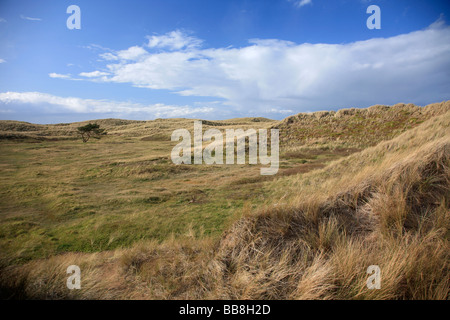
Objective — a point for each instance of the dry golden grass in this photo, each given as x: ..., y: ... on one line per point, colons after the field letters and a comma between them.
x: 387, y: 205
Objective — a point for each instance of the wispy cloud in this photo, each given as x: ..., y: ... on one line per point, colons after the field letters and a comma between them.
x: 175, y: 40
x: 2, y: 20
x: 29, y: 18
x: 300, y: 3
x: 50, y: 104
x: 2, y: 60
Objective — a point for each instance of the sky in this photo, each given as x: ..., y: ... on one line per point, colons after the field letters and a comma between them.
x: 208, y: 59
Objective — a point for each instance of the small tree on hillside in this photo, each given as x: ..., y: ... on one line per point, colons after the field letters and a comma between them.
x: 91, y: 130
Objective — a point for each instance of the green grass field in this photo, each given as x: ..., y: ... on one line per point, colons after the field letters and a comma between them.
x: 60, y: 196
x: 68, y: 196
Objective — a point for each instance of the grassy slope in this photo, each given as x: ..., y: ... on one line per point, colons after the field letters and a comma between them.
x: 387, y: 206
x: 358, y: 128
x: 319, y: 230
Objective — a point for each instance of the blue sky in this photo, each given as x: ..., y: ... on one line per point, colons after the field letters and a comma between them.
x: 209, y: 59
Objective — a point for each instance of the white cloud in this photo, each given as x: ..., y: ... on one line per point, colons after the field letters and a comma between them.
x: 301, y: 3
x: 134, y: 53
x: 59, y: 76
x: 286, y: 112
x: 49, y: 104
x: 439, y: 23
x: 109, y: 56
x: 283, y: 75
x: 175, y: 40
x: 2, y: 60
x: 29, y: 18
x: 93, y: 74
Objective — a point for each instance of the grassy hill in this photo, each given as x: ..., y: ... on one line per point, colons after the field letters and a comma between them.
x: 354, y: 127
x: 140, y: 227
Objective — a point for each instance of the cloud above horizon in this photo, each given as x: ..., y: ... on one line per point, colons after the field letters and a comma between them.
x: 271, y: 74
x: 44, y: 103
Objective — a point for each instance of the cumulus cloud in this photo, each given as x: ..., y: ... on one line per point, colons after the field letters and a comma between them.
x: 271, y: 74
x: 47, y: 104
